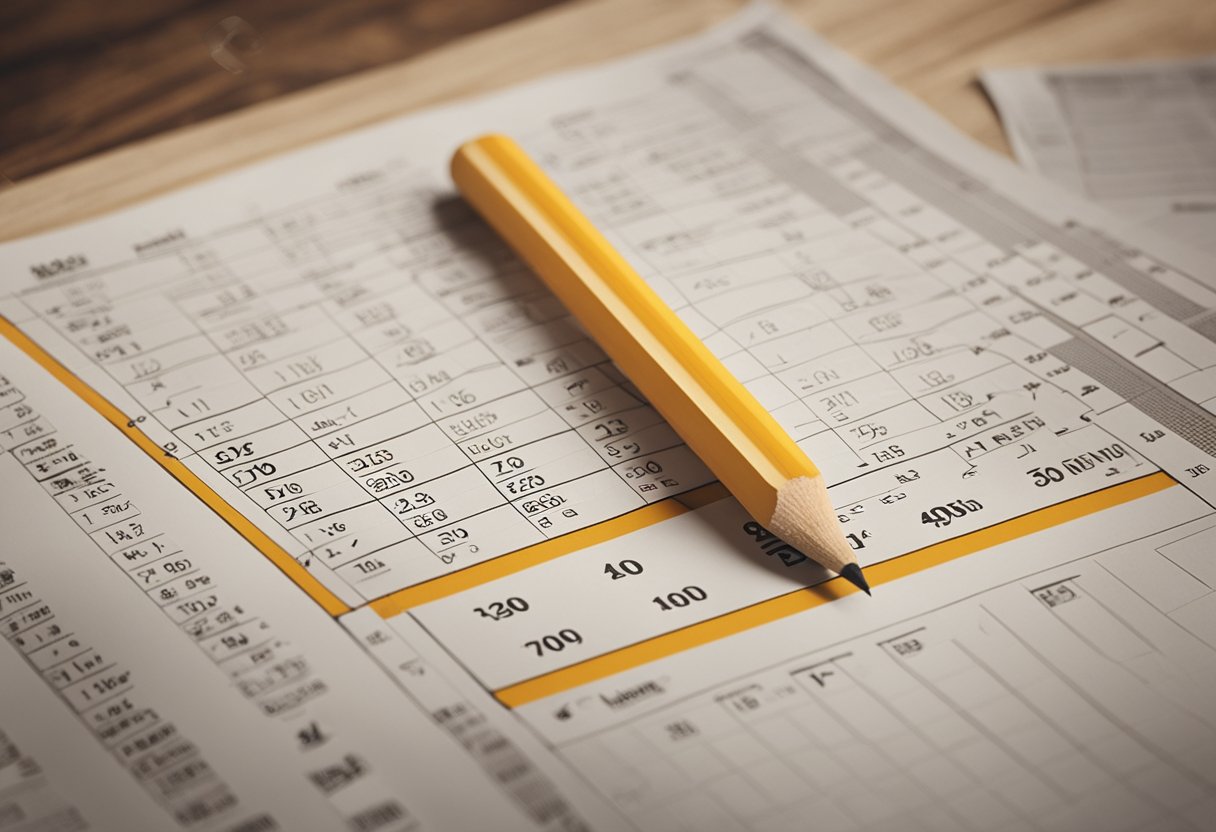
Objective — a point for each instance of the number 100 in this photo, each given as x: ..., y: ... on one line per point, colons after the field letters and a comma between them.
x: 681, y: 598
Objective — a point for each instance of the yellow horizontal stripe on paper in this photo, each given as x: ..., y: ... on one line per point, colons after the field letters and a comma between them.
x: 304, y: 579
x: 801, y: 600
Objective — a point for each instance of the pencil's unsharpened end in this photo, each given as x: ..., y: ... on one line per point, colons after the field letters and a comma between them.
x: 852, y: 573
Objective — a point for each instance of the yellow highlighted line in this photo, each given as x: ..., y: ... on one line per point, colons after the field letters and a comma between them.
x: 804, y: 599
x: 521, y: 559
x: 241, y: 524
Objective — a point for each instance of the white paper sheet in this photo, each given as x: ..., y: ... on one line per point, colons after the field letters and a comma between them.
x: 1139, y: 137
x: 162, y: 673
x: 1000, y: 389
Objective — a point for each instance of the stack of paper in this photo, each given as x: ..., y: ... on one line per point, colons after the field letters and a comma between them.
x: 321, y: 514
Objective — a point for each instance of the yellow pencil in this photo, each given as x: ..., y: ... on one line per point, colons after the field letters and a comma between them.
x: 711, y: 411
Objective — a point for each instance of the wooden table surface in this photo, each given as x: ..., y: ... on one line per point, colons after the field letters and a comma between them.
x: 96, y: 96
x: 81, y: 76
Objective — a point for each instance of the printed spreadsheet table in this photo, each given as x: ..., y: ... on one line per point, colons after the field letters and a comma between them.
x: 1013, y: 406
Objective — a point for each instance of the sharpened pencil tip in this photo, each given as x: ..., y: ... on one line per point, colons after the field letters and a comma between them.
x: 852, y: 574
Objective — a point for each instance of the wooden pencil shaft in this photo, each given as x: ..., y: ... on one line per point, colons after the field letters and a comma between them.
x: 713, y: 413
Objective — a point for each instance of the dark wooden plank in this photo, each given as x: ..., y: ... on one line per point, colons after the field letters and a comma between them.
x: 932, y: 48
x: 81, y: 76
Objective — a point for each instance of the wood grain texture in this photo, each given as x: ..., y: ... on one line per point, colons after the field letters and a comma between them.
x: 932, y: 48
x: 81, y: 76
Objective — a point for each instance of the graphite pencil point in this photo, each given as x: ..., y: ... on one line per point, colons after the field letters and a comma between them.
x: 852, y: 573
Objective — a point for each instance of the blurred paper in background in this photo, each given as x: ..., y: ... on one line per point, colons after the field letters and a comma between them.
x: 1138, y: 137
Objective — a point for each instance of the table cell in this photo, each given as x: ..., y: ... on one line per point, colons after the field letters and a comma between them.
x: 387, y: 403
x: 78, y: 494
x: 579, y: 503
x: 296, y: 485
x: 411, y: 459
x: 102, y: 515
x: 798, y: 344
x: 948, y: 402
x: 545, y: 463
x: 373, y: 431
x: 664, y: 474
x: 301, y: 331
x: 598, y: 406
x: 732, y: 306
x: 116, y: 342
x: 456, y: 271
x: 472, y: 389
x: 932, y: 368
x: 423, y: 351
x: 480, y: 538
x: 545, y: 327
x: 445, y: 500
x: 512, y: 437
x: 827, y: 371
x: 122, y: 534
x: 306, y: 397
x: 561, y: 391
x: 393, y: 450
x: 386, y: 571
x: 251, y: 336
x: 254, y: 446
x: 354, y: 533
x: 154, y: 362
x: 296, y: 458
x: 393, y: 303
x: 898, y: 421
x: 451, y: 366
x: 559, y: 361
x: 629, y: 434
x: 702, y: 285
x: 231, y: 426
x: 498, y: 303
x: 492, y: 416
x: 197, y: 391
x: 338, y: 495
x: 319, y: 359
x: 856, y: 399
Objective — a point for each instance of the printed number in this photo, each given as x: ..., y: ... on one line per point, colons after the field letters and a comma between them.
x: 498, y: 610
x: 429, y: 518
x: 369, y: 460
x: 232, y: 453
x: 682, y: 598
x: 542, y: 503
x: 451, y: 537
x: 506, y: 466
x: 623, y: 569
x: 635, y: 471
x: 1044, y: 476
x: 944, y: 515
x: 526, y: 483
x: 610, y: 428
x: 249, y: 475
x: 420, y: 499
x: 554, y: 643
